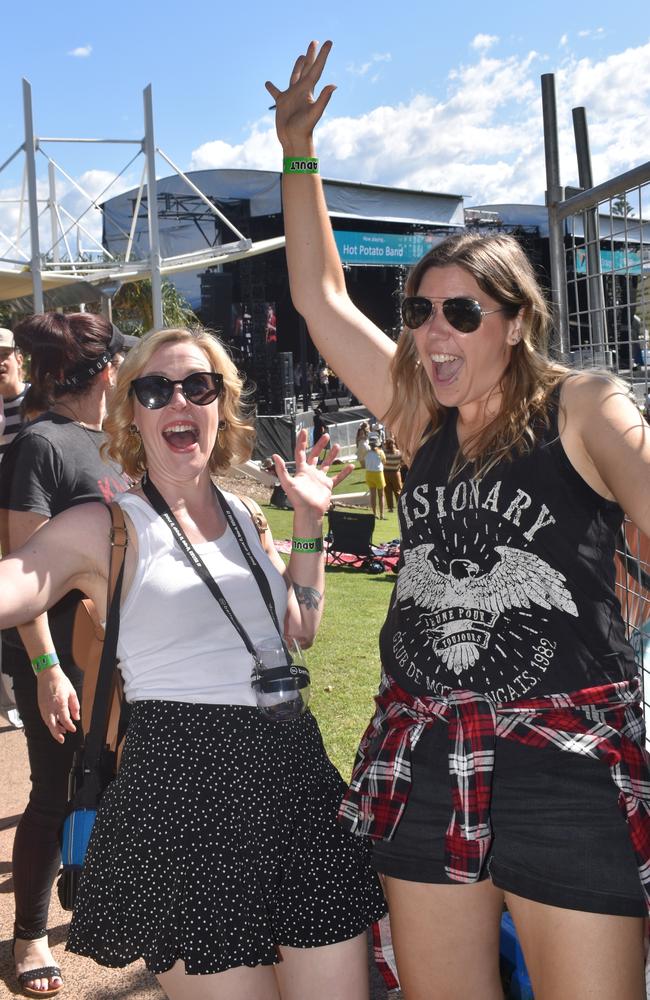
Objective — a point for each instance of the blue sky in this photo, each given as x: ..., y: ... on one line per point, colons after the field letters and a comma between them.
x: 435, y: 96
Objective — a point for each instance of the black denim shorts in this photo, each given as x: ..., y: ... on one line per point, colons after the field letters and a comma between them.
x: 559, y: 836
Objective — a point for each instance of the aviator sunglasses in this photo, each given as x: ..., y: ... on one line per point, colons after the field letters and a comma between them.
x: 464, y: 314
x: 156, y: 391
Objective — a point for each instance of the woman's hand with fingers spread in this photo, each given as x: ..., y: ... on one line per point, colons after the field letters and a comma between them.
x: 309, y: 489
x: 297, y: 111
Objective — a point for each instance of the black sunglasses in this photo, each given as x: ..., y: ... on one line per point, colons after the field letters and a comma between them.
x: 156, y: 391
x: 464, y: 314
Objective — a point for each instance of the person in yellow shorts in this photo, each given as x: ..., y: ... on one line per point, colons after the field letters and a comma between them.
x: 375, y: 481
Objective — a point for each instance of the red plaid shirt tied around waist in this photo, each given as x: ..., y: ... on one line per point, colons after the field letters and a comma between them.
x: 604, y: 722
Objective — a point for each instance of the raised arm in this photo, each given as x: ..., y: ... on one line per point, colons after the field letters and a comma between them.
x: 357, y: 350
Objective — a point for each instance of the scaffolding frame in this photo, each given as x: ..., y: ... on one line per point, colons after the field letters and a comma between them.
x: 63, y: 261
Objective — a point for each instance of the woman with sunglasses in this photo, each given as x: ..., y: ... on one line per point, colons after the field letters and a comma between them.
x: 506, y: 751
x: 216, y: 855
x: 53, y: 464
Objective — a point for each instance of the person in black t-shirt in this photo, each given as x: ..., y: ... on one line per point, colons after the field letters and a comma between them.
x: 508, y: 735
x: 320, y: 427
x: 54, y: 463
x: 12, y: 393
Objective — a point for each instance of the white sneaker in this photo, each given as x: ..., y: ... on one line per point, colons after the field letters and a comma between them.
x: 13, y: 715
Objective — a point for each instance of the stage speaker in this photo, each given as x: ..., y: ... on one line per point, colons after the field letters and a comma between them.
x: 216, y: 302
x: 282, y: 372
x: 281, y: 382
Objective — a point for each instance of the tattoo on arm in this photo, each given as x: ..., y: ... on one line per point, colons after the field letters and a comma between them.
x: 308, y: 596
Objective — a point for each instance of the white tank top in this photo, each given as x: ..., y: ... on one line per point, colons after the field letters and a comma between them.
x: 374, y: 462
x: 175, y: 642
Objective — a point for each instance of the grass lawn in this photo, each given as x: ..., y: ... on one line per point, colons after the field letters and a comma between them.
x: 345, y: 656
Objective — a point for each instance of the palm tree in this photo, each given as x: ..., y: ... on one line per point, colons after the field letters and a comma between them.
x: 133, y: 307
x: 621, y: 206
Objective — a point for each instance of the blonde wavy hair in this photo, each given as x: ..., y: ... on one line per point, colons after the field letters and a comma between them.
x: 234, y: 442
x: 501, y: 269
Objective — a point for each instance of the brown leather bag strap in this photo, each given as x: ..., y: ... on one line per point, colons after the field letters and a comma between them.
x: 259, y: 520
x: 119, y: 540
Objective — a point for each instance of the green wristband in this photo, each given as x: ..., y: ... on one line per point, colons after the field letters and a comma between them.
x: 306, y: 544
x: 300, y: 165
x: 44, y: 662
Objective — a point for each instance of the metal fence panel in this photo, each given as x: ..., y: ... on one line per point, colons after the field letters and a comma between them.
x: 603, y: 321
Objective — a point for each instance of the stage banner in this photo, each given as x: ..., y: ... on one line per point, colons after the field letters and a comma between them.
x: 384, y: 248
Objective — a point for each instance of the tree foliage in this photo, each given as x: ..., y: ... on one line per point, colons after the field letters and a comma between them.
x: 621, y: 206
x: 133, y: 307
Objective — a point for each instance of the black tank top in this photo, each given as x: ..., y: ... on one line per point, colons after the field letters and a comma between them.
x: 506, y: 585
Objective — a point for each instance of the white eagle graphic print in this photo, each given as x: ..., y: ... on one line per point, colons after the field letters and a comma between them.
x: 459, y: 608
x: 486, y: 598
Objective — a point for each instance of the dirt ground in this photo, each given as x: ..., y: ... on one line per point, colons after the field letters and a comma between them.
x: 237, y: 482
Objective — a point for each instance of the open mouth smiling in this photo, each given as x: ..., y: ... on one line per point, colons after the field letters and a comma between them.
x: 445, y: 366
x: 181, y: 436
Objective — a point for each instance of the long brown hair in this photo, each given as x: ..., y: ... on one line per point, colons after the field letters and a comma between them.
x: 501, y: 269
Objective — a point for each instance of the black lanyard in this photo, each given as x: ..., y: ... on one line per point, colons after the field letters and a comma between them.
x: 161, y: 507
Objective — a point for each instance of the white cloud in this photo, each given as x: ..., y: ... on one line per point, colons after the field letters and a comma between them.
x: 591, y: 33
x: 480, y: 134
x: 361, y: 69
x: 483, y: 42
x: 81, y: 52
x: 73, y: 206
x: 475, y: 141
x: 11, y: 236
x: 564, y: 41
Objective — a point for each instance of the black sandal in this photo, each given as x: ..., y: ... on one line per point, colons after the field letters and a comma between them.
x: 44, y: 972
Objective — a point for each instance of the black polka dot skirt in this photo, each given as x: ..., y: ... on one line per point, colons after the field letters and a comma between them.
x: 217, y: 842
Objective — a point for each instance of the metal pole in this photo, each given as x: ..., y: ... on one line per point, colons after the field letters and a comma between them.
x: 106, y: 307
x: 302, y: 328
x: 197, y: 191
x: 54, y: 222
x: 136, y: 212
x: 32, y: 195
x: 596, y: 294
x: 152, y: 211
x: 556, y: 230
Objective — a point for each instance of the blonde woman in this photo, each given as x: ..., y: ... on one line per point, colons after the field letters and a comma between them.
x: 52, y: 464
x: 215, y: 856
x: 505, y: 759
